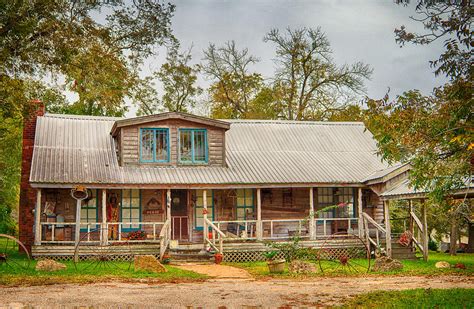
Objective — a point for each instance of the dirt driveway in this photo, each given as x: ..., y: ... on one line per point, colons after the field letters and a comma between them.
x: 231, y: 293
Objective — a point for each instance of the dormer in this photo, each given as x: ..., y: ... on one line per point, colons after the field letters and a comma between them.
x: 170, y: 139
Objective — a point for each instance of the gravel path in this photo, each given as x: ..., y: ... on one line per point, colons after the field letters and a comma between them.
x: 223, y: 293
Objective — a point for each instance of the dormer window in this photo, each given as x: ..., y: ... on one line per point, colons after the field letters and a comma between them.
x: 193, y: 146
x: 154, y: 145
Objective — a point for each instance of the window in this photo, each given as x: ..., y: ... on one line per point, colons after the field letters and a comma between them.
x: 89, y: 210
x: 244, y: 207
x: 199, y: 207
x: 336, y: 196
x: 131, y: 209
x: 154, y: 145
x: 193, y: 145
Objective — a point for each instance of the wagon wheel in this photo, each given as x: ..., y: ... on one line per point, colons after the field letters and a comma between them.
x: 9, y: 255
x: 90, y: 254
x: 345, y: 257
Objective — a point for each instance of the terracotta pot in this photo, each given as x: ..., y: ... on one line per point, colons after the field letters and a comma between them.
x: 276, y: 266
x: 218, y: 257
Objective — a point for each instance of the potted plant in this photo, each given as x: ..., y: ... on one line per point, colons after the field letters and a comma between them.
x: 275, y: 266
x: 166, y: 259
x: 218, y: 257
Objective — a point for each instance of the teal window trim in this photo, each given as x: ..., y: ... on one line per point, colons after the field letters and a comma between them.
x: 93, y: 226
x: 206, y: 149
x: 200, y: 228
x: 245, y: 206
x: 130, y: 207
x: 155, y: 130
x: 335, y: 201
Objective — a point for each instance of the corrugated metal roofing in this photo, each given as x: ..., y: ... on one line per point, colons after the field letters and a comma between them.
x: 405, y: 189
x: 384, y: 172
x: 79, y: 149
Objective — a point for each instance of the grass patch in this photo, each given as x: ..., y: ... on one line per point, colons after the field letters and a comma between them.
x: 410, y: 268
x: 417, y: 298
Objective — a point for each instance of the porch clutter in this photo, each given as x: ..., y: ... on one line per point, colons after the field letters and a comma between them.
x: 385, y: 263
x: 49, y: 265
x: 301, y: 267
x: 148, y: 263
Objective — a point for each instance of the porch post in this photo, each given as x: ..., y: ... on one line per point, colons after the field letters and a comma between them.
x: 259, y: 226
x: 359, y: 211
x: 38, y: 218
x: 411, y: 227
x: 312, y: 230
x: 388, y: 231
x: 168, y: 205
x: 104, y: 228
x: 204, y: 215
x: 77, y: 235
x: 425, y: 231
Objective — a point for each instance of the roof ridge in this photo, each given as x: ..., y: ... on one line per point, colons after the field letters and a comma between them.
x: 82, y: 117
x: 299, y: 122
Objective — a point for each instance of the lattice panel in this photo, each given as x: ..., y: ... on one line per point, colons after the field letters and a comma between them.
x: 112, y: 257
x: 247, y: 256
x: 336, y: 253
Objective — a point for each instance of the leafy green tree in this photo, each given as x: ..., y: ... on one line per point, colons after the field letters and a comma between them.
x: 235, y: 87
x: 310, y: 81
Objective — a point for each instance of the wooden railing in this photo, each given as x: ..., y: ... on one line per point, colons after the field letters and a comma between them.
x: 246, y: 227
x: 285, y: 228
x: 50, y: 232
x: 217, y: 234
x: 165, y: 236
x: 379, y: 231
x: 350, y: 225
x: 418, y: 233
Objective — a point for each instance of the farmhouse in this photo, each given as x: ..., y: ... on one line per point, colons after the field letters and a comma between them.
x: 176, y: 181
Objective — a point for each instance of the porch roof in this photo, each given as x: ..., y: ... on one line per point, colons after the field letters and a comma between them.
x: 403, y: 190
x: 73, y: 149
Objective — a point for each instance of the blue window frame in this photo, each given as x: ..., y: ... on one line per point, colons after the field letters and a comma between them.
x: 131, y: 209
x: 154, y: 145
x: 90, y: 210
x: 193, y: 146
x: 245, y: 204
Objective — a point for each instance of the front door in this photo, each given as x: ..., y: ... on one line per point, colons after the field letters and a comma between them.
x: 179, y: 214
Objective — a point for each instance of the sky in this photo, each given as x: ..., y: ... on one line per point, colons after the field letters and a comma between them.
x: 358, y: 30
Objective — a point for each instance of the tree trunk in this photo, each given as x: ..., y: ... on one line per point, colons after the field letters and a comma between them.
x: 453, y: 237
x: 470, y: 243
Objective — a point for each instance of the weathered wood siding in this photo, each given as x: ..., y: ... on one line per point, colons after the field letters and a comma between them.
x: 130, y: 142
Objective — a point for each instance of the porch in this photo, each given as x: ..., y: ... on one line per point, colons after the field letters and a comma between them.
x: 152, y: 221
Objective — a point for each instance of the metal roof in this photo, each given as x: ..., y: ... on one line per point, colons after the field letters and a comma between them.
x: 403, y: 190
x: 383, y: 173
x: 73, y: 149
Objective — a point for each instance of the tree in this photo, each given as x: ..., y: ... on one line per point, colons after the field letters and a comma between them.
x: 311, y: 82
x: 234, y: 88
x: 60, y: 41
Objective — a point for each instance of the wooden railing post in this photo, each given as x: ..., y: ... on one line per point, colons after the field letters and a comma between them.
x: 388, y: 231
x: 312, y: 229
x: 360, y: 227
x: 104, y: 228
x: 425, y: 231
x: 259, y: 226
x: 38, y: 218
x: 204, y: 221
x: 77, y: 235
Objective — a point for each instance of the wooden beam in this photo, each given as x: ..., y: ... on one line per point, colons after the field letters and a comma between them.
x: 204, y: 211
x: 77, y: 235
x: 388, y: 230
x: 312, y: 228
x: 425, y: 231
x: 168, y: 204
x: 105, y: 231
x: 38, y: 218
x: 359, y: 212
x: 259, y: 226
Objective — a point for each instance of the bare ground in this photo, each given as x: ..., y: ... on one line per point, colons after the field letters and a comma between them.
x: 230, y: 293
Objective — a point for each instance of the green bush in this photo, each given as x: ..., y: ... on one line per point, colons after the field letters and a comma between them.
x: 433, y: 245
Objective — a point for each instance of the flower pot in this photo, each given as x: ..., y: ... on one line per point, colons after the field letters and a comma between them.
x: 276, y: 266
x: 218, y: 257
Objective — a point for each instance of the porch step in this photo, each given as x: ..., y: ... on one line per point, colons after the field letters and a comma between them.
x: 190, y: 256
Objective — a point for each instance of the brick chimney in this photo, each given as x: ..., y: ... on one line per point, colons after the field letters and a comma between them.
x: 27, y: 193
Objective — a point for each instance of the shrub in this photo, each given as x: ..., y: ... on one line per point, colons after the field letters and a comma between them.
x: 432, y: 245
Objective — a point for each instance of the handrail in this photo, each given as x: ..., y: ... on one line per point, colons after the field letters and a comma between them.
x: 421, y: 231
x: 373, y: 222
x: 165, y: 235
x: 220, y: 238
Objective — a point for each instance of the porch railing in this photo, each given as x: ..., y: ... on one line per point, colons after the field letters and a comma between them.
x: 342, y: 226
x: 379, y: 231
x: 217, y: 235
x: 237, y: 228
x: 165, y: 236
x: 64, y: 232
x: 418, y: 232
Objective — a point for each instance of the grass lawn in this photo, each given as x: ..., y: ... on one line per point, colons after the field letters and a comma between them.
x: 86, y: 273
x: 418, y: 298
x: 419, y: 267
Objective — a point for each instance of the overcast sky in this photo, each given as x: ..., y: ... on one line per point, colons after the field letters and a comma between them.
x: 358, y: 30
